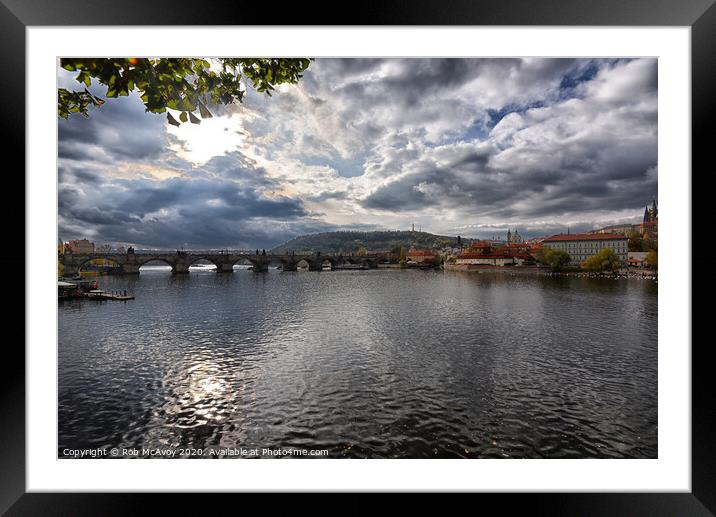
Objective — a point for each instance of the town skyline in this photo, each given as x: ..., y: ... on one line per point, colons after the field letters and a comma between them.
x: 456, y: 147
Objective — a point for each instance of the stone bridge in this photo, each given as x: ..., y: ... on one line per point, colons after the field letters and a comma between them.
x: 224, y: 262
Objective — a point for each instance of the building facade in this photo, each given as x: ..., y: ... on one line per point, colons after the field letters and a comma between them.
x: 581, y: 246
x: 420, y: 256
x: 636, y: 258
x: 621, y: 229
x: 81, y: 246
x: 484, y: 253
x: 513, y: 238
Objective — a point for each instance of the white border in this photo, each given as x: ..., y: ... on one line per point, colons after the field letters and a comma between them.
x: 671, y: 472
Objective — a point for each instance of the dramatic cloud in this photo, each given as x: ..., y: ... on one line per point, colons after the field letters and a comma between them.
x: 457, y: 146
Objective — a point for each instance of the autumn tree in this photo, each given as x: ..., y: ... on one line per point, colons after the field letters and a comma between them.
x: 403, y: 261
x: 556, y: 259
x: 636, y: 243
x: 605, y: 260
x: 186, y: 85
x: 652, y: 259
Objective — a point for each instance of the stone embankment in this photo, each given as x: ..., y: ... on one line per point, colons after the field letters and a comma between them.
x: 644, y: 274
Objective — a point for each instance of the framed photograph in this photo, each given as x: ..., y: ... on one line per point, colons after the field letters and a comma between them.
x: 419, y: 253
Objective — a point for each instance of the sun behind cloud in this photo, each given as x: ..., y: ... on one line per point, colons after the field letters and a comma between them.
x: 199, y: 143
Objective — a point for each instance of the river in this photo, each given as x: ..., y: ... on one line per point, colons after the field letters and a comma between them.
x: 363, y: 364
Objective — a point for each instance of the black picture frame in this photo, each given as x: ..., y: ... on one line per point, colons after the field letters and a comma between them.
x: 700, y: 15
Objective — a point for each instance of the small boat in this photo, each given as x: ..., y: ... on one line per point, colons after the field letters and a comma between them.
x: 68, y: 290
x: 77, y: 288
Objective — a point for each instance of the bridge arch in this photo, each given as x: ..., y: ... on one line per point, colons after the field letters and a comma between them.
x: 194, y: 260
x: 154, y: 258
x: 142, y: 263
x: 244, y: 260
x: 303, y: 264
x: 90, y: 259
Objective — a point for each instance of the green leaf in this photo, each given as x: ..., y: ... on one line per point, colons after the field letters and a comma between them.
x: 176, y: 83
x: 183, y: 117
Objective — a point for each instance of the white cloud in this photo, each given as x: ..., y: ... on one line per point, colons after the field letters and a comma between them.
x: 449, y: 144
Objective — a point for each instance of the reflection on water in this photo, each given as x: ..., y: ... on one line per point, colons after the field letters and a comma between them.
x: 364, y: 364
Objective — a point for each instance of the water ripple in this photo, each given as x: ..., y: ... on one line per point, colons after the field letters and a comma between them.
x: 394, y: 364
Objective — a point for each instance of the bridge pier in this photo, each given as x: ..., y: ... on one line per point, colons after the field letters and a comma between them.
x: 292, y: 266
x: 180, y: 268
x: 315, y: 265
x: 129, y: 268
x: 260, y: 267
x: 224, y: 267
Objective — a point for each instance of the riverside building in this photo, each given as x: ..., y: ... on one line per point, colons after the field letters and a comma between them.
x: 581, y: 246
x: 483, y: 253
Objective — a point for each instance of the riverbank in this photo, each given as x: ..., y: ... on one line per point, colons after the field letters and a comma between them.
x: 482, y: 268
x: 409, y: 266
x: 644, y: 274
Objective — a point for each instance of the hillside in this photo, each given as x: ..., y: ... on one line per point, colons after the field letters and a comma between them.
x: 348, y: 241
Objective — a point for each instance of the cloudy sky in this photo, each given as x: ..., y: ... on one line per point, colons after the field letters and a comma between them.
x: 456, y: 146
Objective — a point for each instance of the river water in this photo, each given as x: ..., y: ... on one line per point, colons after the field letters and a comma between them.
x: 364, y: 364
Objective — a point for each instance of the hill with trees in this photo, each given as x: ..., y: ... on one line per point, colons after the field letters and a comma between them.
x: 354, y: 242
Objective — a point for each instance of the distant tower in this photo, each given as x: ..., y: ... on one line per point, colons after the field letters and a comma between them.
x: 413, y: 226
x: 651, y: 215
x: 516, y: 237
x: 509, y: 236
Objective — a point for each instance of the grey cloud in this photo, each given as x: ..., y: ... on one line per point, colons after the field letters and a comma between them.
x: 522, y: 140
x: 197, y: 211
x: 121, y: 127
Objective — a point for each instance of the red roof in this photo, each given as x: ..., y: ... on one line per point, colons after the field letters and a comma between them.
x: 484, y: 256
x: 496, y: 254
x: 421, y: 253
x: 585, y: 237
